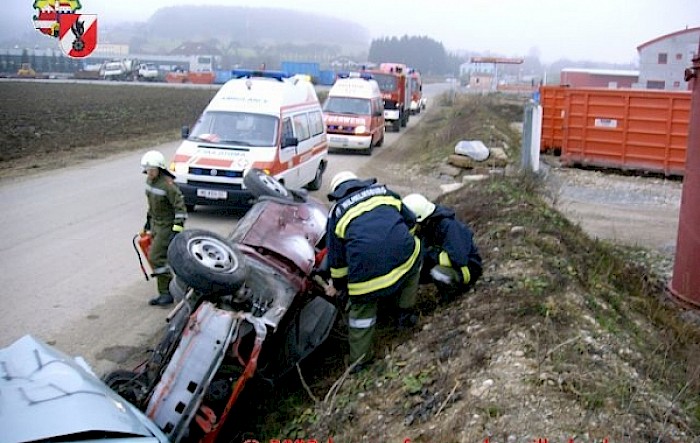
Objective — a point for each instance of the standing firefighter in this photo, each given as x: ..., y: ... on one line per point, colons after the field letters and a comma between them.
x: 165, y: 218
x: 372, y: 254
x: 451, y: 258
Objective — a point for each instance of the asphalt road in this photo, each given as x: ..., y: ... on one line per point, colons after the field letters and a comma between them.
x: 69, y: 274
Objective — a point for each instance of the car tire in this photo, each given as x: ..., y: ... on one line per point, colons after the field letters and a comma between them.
x: 206, y: 261
x: 261, y: 184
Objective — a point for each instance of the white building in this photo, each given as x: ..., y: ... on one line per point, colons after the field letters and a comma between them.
x: 663, y: 60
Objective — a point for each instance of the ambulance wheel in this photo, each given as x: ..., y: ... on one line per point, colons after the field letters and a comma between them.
x: 261, y: 184
x: 316, y: 183
x: 380, y: 142
x: 206, y: 261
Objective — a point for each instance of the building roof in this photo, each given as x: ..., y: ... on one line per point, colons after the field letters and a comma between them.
x: 663, y: 37
x: 619, y: 72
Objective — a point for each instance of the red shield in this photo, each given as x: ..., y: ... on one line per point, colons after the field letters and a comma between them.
x: 78, y: 34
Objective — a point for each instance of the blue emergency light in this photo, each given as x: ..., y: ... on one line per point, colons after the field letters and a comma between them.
x: 354, y: 74
x: 249, y: 73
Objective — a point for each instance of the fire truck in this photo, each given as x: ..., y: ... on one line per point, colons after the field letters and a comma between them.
x: 417, y: 100
x: 395, y: 86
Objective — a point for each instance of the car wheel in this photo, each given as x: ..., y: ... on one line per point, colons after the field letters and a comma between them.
x: 206, y: 262
x: 316, y: 183
x: 380, y: 142
x: 261, y: 184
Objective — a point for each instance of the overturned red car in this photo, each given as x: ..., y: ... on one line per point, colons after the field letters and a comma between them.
x: 249, y: 304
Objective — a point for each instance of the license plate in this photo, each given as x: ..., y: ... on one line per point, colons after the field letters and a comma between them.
x: 212, y: 194
x: 339, y: 140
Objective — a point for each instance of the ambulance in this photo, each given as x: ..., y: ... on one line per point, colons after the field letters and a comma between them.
x: 259, y: 119
x: 354, y: 113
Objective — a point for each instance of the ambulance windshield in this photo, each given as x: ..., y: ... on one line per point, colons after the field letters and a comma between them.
x: 236, y: 128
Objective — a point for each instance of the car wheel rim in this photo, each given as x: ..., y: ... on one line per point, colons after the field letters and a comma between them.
x: 213, y: 254
x: 273, y: 185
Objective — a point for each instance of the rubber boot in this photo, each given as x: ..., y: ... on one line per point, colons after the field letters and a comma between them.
x: 161, y: 300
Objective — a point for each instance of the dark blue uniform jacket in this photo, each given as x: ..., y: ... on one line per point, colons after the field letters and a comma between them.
x: 442, y: 232
x: 371, y: 247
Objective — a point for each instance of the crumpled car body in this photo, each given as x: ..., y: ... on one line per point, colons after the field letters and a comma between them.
x: 46, y: 395
x: 251, y: 305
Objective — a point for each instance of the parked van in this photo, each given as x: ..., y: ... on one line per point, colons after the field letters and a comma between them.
x: 259, y: 119
x: 354, y: 113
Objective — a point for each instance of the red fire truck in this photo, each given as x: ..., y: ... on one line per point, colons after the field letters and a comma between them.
x: 417, y: 99
x: 395, y: 86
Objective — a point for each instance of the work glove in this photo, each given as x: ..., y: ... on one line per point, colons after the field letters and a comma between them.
x: 177, y: 228
x: 444, y: 275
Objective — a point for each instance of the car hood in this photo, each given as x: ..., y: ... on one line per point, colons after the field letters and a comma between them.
x: 45, y: 394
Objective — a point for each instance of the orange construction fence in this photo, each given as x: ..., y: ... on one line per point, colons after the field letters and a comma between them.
x: 631, y: 129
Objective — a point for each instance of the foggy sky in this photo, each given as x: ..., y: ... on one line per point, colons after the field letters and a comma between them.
x: 599, y: 30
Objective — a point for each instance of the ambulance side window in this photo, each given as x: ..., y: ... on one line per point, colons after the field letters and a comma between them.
x: 316, y: 122
x: 301, y: 127
x: 287, y: 129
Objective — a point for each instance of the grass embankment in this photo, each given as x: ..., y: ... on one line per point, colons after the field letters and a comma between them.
x: 564, y: 337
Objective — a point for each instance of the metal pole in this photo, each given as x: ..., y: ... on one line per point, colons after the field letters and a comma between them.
x: 685, y: 284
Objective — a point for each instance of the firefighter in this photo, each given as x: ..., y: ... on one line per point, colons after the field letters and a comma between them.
x: 372, y: 255
x: 165, y: 218
x: 451, y: 259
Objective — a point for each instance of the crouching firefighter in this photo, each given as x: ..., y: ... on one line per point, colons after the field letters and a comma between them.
x: 165, y: 218
x: 372, y: 254
x: 451, y: 259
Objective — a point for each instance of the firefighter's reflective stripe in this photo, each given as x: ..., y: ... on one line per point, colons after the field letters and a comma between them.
x: 362, y: 323
x: 444, y: 260
x: 154, y: 190
x: 339, y: 272
x: 181, y: 215
x: 361, y: 208
x: 177, y: 228
x: 386, y: 280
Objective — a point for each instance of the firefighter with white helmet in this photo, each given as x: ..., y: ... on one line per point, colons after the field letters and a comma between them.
x: 372, y: 254
x: 165, y: 218
x: 451, y: 259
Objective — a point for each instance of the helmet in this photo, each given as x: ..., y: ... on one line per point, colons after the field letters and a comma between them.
x: 419, y: 205
x: 152, y: 159
x: 341, y: 177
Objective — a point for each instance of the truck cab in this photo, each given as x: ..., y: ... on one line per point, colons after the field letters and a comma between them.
x: 395, y: 87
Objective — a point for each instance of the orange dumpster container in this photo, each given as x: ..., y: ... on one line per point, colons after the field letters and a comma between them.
x: 552, y: 99
x: 629, y: 129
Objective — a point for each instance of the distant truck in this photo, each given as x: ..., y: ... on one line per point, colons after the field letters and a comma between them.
x: 148, y: 72
x: 124, y: 69
x: 396, y: 91
x: 418, y: 102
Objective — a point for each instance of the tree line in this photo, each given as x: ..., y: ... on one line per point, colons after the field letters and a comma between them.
x: 421, y: 53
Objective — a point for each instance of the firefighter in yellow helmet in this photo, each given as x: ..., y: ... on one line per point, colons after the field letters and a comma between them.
x: 165, y: 218
x: 451, y: 259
